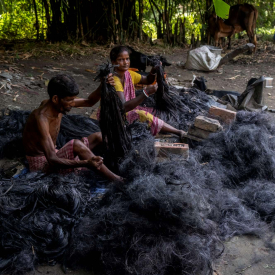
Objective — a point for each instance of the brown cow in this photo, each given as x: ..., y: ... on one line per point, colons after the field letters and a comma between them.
x: 241, y: 17
x: 218, y: 29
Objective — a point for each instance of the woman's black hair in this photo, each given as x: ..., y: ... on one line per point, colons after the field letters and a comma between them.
x: 118, y: 50
x: 62, y: 85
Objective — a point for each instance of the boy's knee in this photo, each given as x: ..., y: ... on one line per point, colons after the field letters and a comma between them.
x: 98, y: 137
x: 78, y: 145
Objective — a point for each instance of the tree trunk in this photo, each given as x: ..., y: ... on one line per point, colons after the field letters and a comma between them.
x: 176, y: 34
x: 140, y: 18
x: 36, y: 18
x: 103, y: 21
x: 183, y: 31
x: 231, y: 55
x: 166, y: 20
x: 47, y: 11
x: 193, y: 40
x: 160, y: 21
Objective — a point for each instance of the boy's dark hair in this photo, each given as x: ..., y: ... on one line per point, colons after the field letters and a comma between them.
x: 62, y: 85
x: 118, y: 50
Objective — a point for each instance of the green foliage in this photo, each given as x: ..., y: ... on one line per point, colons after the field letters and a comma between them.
x: 266, y: 34
x: 149, y: 28
x: 221, y: 8
x: 2, y: 7
x: 192, y: 26
x: 17, y: 20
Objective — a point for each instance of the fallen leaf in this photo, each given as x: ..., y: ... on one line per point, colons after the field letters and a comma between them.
x: 60, y: 69
x: 234, y: 77
x: 90, y: 71
x: 15, y: 97
x: 47, y: 82
x: 26, y: 55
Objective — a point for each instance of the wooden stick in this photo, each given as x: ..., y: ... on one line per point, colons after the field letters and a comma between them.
x: 236, y: 52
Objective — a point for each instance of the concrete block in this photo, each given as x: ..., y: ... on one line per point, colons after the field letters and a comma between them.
x: 207, y: 124
x: 164, y: 149
x: 225, y: 115
x: 197, y: 132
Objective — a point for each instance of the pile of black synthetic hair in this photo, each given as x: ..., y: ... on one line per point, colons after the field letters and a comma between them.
x: 147, y: 227
x: 113, y: 124
x: 38, y: 214
x: 11, y: 130
x: 168, y: 217
x: 194, y: 103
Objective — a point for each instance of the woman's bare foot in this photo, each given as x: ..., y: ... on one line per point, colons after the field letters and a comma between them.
x: 182, y: 134
x: 170, y: 129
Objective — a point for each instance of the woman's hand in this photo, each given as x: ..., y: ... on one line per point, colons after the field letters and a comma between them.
x: 153, y: 70
x: 151, y: 89
x: 110, y: 80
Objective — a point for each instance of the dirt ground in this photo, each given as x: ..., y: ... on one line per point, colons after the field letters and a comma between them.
x: 29, y: 76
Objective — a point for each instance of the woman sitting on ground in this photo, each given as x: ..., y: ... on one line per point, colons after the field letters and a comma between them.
x: 124, y: 85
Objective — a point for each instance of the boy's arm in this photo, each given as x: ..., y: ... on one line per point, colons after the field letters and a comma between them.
x: 95, y: 96
x: 92, y: 99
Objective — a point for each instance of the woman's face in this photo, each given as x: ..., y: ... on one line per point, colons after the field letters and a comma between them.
x: 123, y: 60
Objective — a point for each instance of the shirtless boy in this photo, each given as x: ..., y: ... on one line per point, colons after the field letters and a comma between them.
x: 42, y: 128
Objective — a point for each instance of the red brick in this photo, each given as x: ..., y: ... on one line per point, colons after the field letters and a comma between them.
x: 164, y: 149
x: 225, y: 115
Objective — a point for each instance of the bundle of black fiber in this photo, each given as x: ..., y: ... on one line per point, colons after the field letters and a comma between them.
x: 219, y: 204
x: 244, y: 151
x: 195, y: 103
x: 11, y: 129
x: 167, y: 101
x: 147, y: 227
x: 260, y: 196
x: 116, y: 138
x: 37, y: 217
x: 141, y: 157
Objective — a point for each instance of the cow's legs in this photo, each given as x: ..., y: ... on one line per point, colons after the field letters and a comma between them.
x: 229, y: 39
x: 250, y: 30
x: 229, y: 42
x: 216, y: 39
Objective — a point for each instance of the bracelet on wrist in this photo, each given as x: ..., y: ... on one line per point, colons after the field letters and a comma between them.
x: 145, y: 93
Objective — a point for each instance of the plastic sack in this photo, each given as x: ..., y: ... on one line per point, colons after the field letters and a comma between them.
x: 202, y: 59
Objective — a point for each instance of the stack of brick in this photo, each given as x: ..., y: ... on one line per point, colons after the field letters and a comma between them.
x: 204, y: 126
